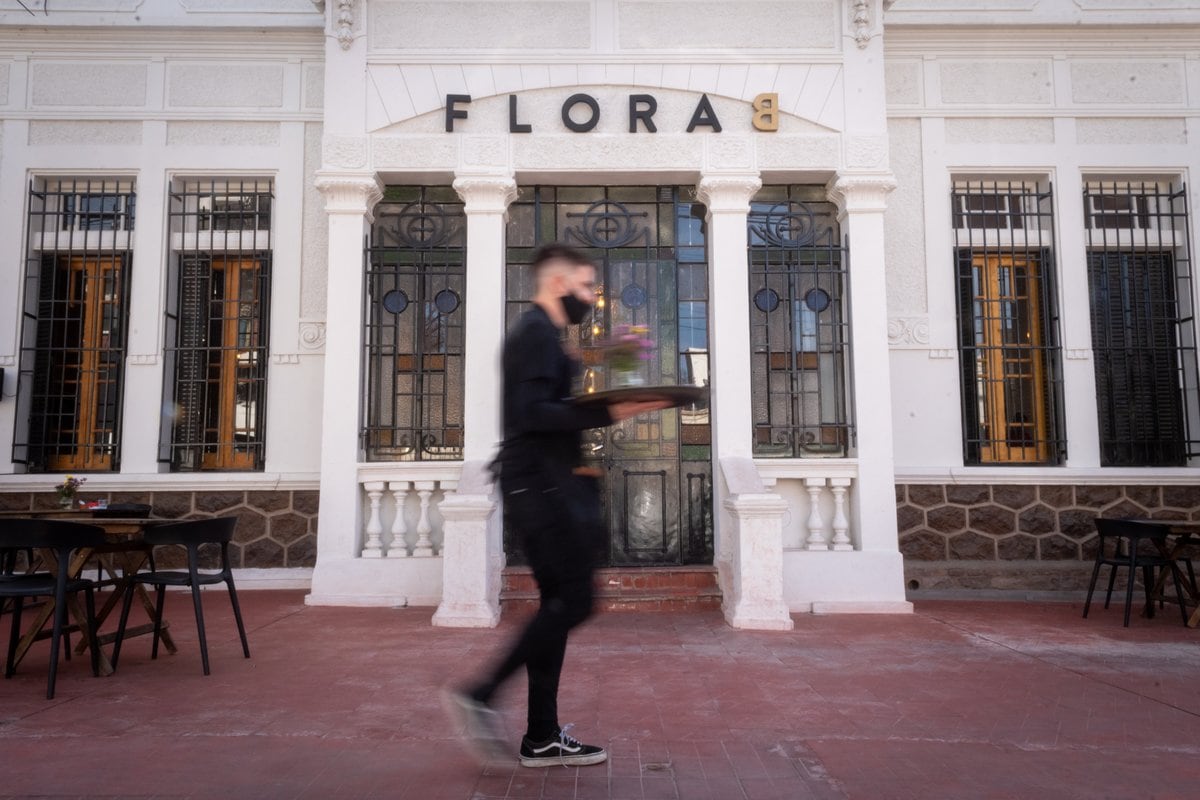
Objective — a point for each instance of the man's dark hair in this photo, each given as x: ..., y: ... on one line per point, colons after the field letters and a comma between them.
x: 556, y: 251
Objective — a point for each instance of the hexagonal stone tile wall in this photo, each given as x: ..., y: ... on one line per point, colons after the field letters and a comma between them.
x: 985, y: 536
x: 275, y: 529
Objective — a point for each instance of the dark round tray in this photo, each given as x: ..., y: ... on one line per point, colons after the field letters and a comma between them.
x: 676, y: 395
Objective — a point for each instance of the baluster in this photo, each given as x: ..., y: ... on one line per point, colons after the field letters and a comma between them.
x: 841, y: 525
x: 373, y: 547
x: 424, y: 546
x: 398, y: 547
x: 816, y: 526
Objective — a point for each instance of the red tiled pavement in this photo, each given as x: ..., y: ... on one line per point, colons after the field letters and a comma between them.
x: 960, y: 700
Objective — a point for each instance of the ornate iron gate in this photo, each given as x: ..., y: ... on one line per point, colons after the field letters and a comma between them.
x: 649, y: 247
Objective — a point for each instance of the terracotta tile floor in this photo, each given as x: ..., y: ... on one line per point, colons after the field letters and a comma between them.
x: 960, y: 700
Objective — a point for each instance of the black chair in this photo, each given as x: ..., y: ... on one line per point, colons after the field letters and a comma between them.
x: 1126, y: 538
x: 191, y: 535
x: 64, y: 538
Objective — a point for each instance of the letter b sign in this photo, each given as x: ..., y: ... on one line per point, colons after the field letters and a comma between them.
x: 766, y: 112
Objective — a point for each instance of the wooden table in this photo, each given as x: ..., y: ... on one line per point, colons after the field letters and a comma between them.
x: 123, y: 554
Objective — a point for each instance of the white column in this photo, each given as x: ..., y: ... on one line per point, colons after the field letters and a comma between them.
x: 727, y: 197
x: 486, y: 199
x: 861, y: 201
x: 472, y: 530
x: 349, y: 198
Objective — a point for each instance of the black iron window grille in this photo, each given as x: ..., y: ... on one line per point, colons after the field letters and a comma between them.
x: 73, y: 325
x: 218, y: 305
x: 414, y: 312
x: 1010, y: 356
x: 1143, y: 321
x: 799, y: 328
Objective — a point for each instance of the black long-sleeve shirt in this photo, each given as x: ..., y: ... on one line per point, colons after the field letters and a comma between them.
x: 541, y: 425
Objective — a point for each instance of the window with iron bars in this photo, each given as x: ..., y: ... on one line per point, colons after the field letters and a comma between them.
x: 799, y: 328
x: 73, y: 324
x: 1009, y: 348
x: 414, y: 315
x: 219, y: 290
x: 1143, y: 321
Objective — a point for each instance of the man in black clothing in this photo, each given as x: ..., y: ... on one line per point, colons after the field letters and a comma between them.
x: 551, y: 503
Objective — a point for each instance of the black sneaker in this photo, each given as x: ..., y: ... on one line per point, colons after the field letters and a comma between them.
x: 481, y: 725
x: 561, y: 749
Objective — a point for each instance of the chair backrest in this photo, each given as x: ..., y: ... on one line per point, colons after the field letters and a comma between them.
x: 55, y: 533
x: 1132, y: 528
x: 217, y: 530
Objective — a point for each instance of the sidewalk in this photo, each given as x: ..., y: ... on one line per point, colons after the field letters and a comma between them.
x: 959, y: 700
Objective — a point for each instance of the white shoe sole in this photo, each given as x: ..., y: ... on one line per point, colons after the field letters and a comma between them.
x: 565, y: 761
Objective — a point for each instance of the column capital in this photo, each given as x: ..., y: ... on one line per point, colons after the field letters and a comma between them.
x: 860, y: 193
x: 484, y: 193
x: 728, y: 193
x: 349, y: 192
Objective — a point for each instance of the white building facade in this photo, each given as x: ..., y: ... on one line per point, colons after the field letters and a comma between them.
x: 930, y: 260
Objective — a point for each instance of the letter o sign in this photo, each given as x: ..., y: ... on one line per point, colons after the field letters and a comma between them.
x: 574, y: 100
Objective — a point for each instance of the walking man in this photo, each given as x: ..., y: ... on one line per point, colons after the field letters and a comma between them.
x: 551, y: 503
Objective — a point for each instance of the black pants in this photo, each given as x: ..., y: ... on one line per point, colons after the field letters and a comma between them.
x: 558, y: 530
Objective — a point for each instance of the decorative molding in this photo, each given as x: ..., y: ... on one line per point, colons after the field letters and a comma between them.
x: 860, y: 193
x: 320, y: 4
x: 1079, y: 354
x: 941, y: 354
x: 486, y: 194
x: 285, y: 358
x: 349, y: 192
x: 908, y: 330
x: 345, y: 23
x: 144, y: 360
x: 312, y: 335
x: 8, y: 361
x: 728, y: 194
x: 860, y: 21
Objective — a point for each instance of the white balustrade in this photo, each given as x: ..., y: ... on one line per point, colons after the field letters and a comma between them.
x: 429, y: 483
x: 819, y: 493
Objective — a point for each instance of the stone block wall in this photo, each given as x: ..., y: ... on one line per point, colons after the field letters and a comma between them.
x: 1018, y: 538
x: 275, y: 528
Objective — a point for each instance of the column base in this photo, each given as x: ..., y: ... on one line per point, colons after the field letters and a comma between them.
x: 476, y: 615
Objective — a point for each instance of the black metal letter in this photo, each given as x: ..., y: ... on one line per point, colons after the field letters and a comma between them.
x: 574, y: 100
x: 643, y: 114
x: 704, y: 115
x: 453, y: 113
x: 513, y: 125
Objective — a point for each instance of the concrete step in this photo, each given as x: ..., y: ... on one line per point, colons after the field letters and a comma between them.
x: 691, y: 588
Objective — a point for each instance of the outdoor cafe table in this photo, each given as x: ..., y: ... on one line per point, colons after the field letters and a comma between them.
x: 1183, y: 535
x: 123, y: 554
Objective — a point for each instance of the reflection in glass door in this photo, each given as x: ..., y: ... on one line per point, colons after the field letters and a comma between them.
x: 649, y: 247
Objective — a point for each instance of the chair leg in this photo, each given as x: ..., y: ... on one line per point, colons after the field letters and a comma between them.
x: 10, y: 663
x: 1148, y: 587
x: 1112, y: 579
x: 1092, y: 584
x: 1132, y: 581
x: 126, y: 603
x: 60, y: 622
x: 200, y: 627
x: 160, y: 597
x: 1177, y: 576
x: 237, y: 615
x: 93, y: 641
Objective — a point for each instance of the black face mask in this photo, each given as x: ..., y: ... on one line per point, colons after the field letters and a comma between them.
x: 575, y: 308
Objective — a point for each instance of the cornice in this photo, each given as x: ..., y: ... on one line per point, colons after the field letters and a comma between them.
x: 1151, y: 40
x: 178, y: 42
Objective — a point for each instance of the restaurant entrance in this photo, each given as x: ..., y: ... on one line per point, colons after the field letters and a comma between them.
x: 649, y: 245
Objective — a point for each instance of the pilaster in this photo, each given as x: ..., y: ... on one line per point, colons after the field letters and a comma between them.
x: 727, y: 197
x: 861, y: 200
x: 349, y: 200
